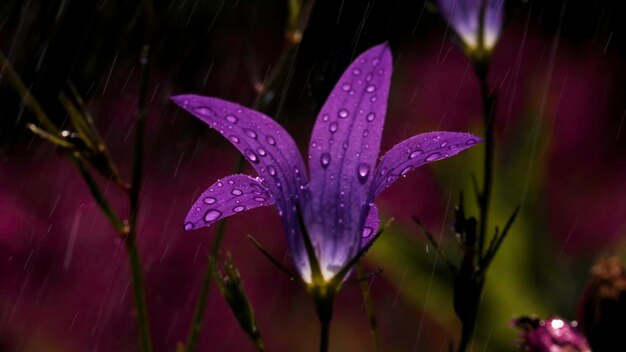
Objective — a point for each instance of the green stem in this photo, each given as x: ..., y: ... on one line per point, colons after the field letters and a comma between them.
x: 139, y: 294
x: 369, y: 308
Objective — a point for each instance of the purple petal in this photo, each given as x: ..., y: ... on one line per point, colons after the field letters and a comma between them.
x: 231, y: 195
x: 342, y: 155
x: 371, y: 226
x: 417, y: 151
x: 463, y: 16
x: 265, y: 144
x: 269, y: 149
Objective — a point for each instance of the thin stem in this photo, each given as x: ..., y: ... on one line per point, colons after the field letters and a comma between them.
x: 135, y: 189
x: 324, y: 335
x: 485, y: 198
x: 324, y: 299
x: 368, y: 303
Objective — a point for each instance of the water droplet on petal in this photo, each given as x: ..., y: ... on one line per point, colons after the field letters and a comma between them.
x: 325, y: 117
x: 470, y: 142
x: 383, y: 171
x: 250, y: 133
x: 356, y: 71
x: 271, y: 169
x: 333, y: 127
x: 236, y: 192
x: 433, y: 157
x: 362, y: 172
x: 188, y: 226
x: 416, y: 153
x: 209, y: 200
x: 251, y: 156
x: 231, y: 182
x: 443, y: 145
x: 371, y: 88
x: 204, y: 110
x: 343, y: 113
x: 367, y: 231
x: 373, y: 98
x: 261, y: 151
x: 325, y: 160
x: 235, y: 139
x: 366, y: 133
x: 239, y: 208
x: 406, y: 170
x: 346, y: 87
x: 270, y: 140
x: 231, y: 118
x: 375, y: 62
x: 345, y: 145
x: 212, y: 215
x: 370, y: 117
x: 260, y: 199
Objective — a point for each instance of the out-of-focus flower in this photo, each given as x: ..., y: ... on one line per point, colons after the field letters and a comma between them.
x: 551, y: 335
x: 336, y: 205
x: 476, y: 22
x: 602, y: 308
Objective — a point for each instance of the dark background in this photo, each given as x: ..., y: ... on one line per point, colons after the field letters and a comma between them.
x: 559, y: 72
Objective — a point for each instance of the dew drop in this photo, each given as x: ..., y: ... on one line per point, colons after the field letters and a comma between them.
x: 236, y: 192
x: 270, y: 140
x: 188, y: 226
x: 239, y: 208
x: 416, y: 153
x: 433, y: 157
x: 235, y: 139
x: 375, y: 62
x: 231, y: 182
x: 406, y: 170
x: 345, y: 145
x: 370, y: 117
x: 370, y: 89
x: 325, y: 117
x: 346, y: 87
x: 209, y: 200
x: 471, y: 142
x: 366, y: 133
x: 343, y: 113
x: 383, y: 171
x: 260, y: 199
x: 368, y: 77
x: 333, y: 127
x: 373, y: 98
x: 444, y: 144
x: 271, y: 169
x: 251, y: 156
x: 231, y: 118
x: 212, y: 215
x: 367, y: 231
x: 362, y: 172
x: 261, y: 151
x: 250, y: 133
x: 325, y: 160
x: 203, y: 110
x: 356, y: 71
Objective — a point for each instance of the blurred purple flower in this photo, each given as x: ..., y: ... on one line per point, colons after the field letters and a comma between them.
x: 337, y: 203
x: 551, y: 335
x: 464, y: 17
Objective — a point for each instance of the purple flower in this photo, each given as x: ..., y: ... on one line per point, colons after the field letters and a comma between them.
x: 552, y: 335
x: 464, y: 17
x: 336, y: 202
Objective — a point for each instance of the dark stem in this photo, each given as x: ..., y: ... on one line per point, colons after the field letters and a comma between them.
x: 324, y: 306
x: 135, y: 189
x: 489, y: 100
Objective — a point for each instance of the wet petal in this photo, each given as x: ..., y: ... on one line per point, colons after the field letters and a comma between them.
x: 417, y: 151
x: 343, y: 151
x: 269, y: 149
x: 463, y: 16
x: 371, y: 226
x: 231, y: 195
